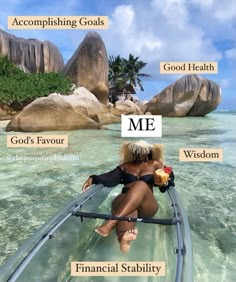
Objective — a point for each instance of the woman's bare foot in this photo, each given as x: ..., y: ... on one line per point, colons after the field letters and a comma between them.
x: 104, y: 229
x: 126, y: 240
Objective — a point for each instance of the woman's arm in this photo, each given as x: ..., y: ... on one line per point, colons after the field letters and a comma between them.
x: 158, y: 165
x: 109, y: 179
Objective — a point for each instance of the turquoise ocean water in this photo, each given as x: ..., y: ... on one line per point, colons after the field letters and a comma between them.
x: 36, y: 183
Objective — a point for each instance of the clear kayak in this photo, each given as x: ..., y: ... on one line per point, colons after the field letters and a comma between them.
x: 69, y: 236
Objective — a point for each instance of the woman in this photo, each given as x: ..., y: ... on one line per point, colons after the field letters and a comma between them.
x: 139, y: 162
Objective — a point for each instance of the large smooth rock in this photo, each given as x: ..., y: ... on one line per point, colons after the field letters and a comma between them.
x: 31, y: 54
x: 208, y: 99
x: 106, y: 118
x: 127, y: 107
x: 141, y: 105
x: 6, y: 112
x: 54, y: 112
x: 115, y: 112
x: 58, y: 112
x: 88, y: 66
x: 191, y: 95
x: 86, y: 102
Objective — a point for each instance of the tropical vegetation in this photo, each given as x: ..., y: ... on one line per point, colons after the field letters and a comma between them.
x: 125, y: 74
x: 18, y: 89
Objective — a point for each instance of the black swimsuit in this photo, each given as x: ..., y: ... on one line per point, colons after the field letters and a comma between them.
x: 118, y: 176
x: 128, y: 178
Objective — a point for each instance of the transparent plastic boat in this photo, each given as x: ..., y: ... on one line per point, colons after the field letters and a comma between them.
x: 69, y: 236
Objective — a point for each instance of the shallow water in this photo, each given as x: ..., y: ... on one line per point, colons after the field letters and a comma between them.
x: 34, y: 188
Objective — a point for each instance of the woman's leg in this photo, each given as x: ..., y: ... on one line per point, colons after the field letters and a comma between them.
x: 138, y: 197
x: 126, y: 233
x: 122, y: 226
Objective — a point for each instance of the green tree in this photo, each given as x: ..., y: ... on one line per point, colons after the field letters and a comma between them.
x: 17, y: 89
x: 133, y: 74
x: 116, y: 72
x: 125, y: 74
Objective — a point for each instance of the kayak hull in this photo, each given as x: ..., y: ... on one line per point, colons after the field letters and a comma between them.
x: 65, y: 238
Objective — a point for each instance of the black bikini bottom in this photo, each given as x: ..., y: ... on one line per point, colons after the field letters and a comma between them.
x: 125, y: 189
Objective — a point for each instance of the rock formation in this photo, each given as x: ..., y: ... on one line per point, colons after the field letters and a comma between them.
x: 142, y: 105
x: 106, y: 118
x: 6, y: 112
x: 58, y: 112
x: 88, y: 66
x: 31, y: 54
x: 191, y: 95
x: 88, y: 104
x: 50, y: 113
x: 127, y: 107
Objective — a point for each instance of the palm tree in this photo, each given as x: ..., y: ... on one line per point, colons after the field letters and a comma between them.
x: 132, y: 72
x: 116, y: 72
x: 125, y: 75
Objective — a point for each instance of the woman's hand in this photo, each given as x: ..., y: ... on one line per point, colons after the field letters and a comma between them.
x: 87, y: 184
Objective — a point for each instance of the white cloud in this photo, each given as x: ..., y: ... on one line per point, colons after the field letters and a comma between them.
x: 152, y: 43
x: 123, y: 17
x: 174, y: 11
x: 204, y: 3
x: 222, y: 11
x: 157, y: 32
x: 154, y: 30
x: 225, y: 11
x: 231, y: 53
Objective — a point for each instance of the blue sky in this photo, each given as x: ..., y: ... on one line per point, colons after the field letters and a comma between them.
x: 154, y: 30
